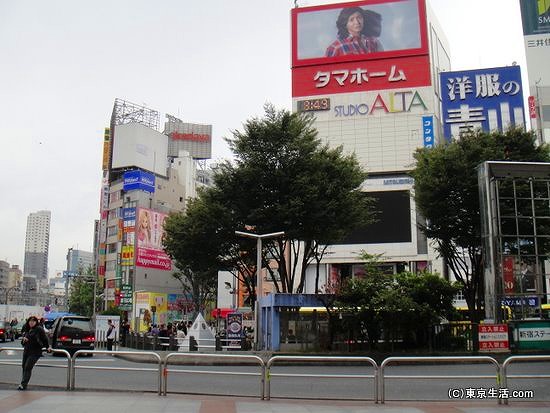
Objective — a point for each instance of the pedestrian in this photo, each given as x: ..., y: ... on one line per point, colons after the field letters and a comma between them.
x: 34, y: 340
x: 111, y: 333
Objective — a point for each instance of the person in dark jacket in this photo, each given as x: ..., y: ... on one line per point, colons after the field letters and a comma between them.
x: 34, y: 339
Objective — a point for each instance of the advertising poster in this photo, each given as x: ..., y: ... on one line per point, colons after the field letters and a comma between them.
x: 160, y: 302
x: 142, y: 314
x: 149, y: 233
x: 358, y: 31
x: 141, y: 180
x: 490, y: 99
x: 535, y: 15
x: 359, y: 46
x: 234, y: 328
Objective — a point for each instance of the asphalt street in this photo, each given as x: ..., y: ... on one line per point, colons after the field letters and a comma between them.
x: 51, y: 372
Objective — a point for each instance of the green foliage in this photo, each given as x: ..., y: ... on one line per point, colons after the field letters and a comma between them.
x: 282, y: 179
x: 81, y: 293
x: 446, y: 193
x: 114, y: 311
x: 194, y: 239
x: 81, y: 297
x: 401, y: 305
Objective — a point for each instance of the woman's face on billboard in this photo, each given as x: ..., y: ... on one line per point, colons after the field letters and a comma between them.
x: 355, y: 24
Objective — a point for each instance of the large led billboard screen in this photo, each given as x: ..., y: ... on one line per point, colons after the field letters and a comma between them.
x: 368, y: 29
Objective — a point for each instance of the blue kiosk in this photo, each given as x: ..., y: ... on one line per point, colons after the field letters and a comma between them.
x: 270, y: 312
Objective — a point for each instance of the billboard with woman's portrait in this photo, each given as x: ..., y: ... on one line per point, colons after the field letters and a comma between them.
x: 361, y: 30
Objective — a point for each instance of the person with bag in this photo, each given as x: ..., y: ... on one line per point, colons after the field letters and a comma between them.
x: 34, y: 340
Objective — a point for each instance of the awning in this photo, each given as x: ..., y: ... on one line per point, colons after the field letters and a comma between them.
x: 221, y: 312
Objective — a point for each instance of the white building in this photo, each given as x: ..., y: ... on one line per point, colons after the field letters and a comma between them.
x: 380, y: 106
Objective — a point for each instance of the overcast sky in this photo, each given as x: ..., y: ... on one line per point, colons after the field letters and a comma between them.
x: 63, y: 62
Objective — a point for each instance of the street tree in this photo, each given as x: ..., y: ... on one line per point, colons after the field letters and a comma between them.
x: 403, y: 306
x: 282, y: 179
x: 194, y: 241
x: 81, y: 294
x: 446, y: 193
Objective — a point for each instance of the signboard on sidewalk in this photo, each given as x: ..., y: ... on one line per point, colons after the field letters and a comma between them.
x: 493, y: 337
x: 234, y: 328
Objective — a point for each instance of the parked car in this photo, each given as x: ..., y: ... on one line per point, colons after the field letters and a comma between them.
x: 17, y: 329
x: 72, y: 333
x: 6, y: 331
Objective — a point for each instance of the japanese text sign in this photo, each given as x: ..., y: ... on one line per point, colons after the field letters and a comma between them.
x: 489, y: 99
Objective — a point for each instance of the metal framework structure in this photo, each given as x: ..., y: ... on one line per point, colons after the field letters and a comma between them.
x: 126, y: 112
x: 515, y: 216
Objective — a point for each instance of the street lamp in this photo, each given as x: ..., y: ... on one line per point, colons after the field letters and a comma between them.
x: 258, y: 238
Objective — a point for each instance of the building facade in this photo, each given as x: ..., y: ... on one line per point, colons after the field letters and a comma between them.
x: 79, y: 261
x: 147, y: 175
x: 380, y: 104
x: 37, y: 243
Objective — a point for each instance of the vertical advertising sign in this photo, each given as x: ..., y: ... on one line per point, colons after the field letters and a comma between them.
x: 490, y: 99
x: 508, y: 275
x: 531, y: 101
x: 106, y: 148
x: 428, y: 131
x: 536, y: 36
x: 149, y: 235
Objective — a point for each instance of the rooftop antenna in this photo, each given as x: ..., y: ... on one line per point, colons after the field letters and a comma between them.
x: 295, y: 3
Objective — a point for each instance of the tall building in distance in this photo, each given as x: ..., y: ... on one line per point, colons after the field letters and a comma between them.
x: 37, y: 243
x: 79, y: 261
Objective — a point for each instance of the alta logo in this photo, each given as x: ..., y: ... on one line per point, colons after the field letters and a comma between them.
x: 394, y: 102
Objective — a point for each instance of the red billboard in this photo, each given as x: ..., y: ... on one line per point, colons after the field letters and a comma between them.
x: 350, y: 77
x: 149, y: 234
x: 357, y: 31
x: 508, y: 264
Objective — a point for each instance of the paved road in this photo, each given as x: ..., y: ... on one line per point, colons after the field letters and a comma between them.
x: 83, y: 402
x: 142, y: 380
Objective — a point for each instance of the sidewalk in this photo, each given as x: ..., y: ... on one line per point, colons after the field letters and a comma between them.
x: 70, y: 402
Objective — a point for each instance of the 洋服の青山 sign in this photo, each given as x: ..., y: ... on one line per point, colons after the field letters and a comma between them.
x: 391, y: 102
x: 196, y: 137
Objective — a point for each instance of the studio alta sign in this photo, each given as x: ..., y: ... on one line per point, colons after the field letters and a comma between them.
x: 390, y: 102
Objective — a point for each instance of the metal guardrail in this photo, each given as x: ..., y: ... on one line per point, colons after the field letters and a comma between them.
x: 227, y: 357
x: 54, y: 351
x: 369, y: 360
x: 452, y: 359
x: 119, y: 353
x: 265, y: 374
x: 504, y: 370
